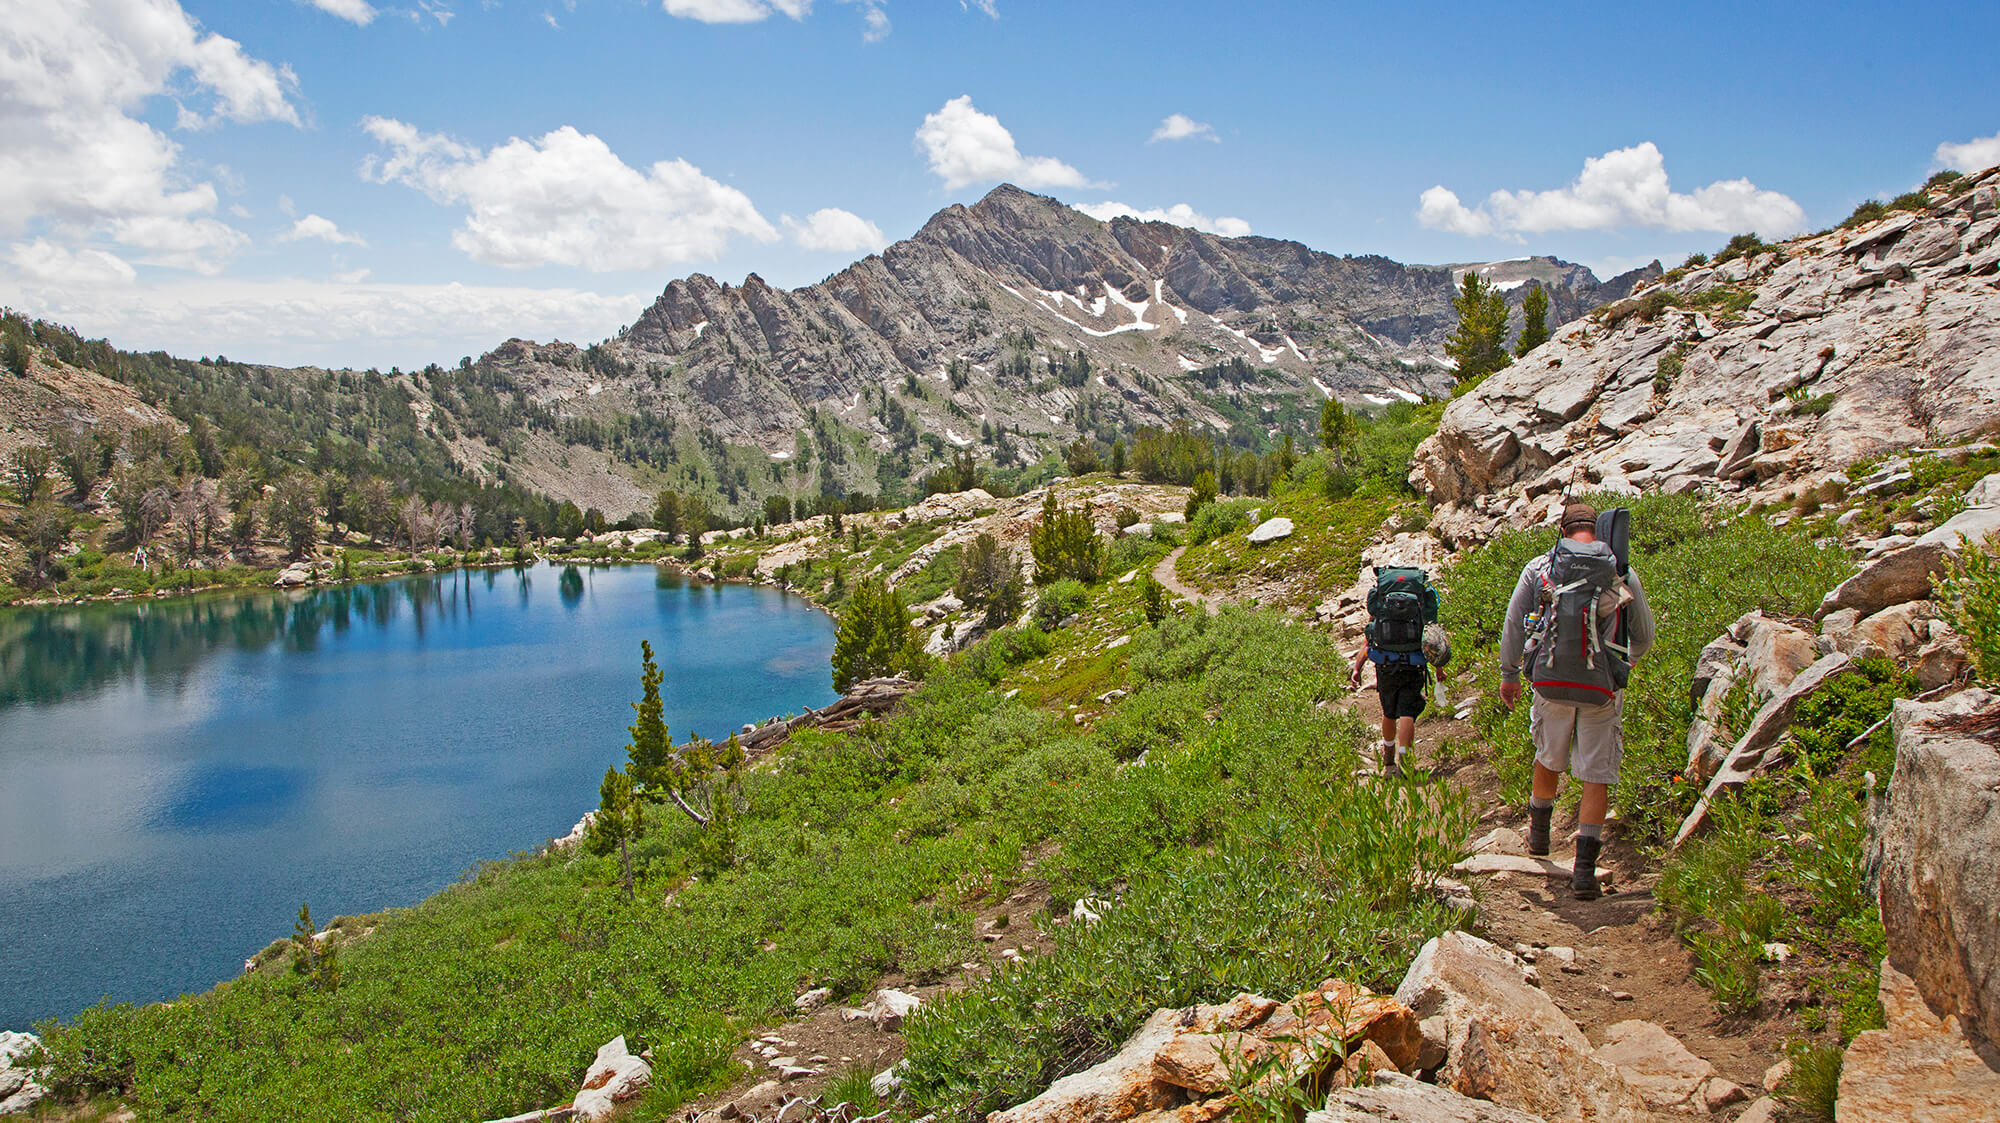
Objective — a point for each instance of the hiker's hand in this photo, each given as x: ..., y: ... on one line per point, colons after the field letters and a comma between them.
x: 1354, y: 678
x: 1510, y: 693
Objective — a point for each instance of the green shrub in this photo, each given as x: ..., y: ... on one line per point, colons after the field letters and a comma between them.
x: 1668, y: 369
x: 1742, y: 245
x: 1846, y: 708
x: 1058, y: 601
x: 1007, y: 649
x: 1216, y: 519
x: 1864, y: 213
x: 1970, y: 591
x: 1657, y: 300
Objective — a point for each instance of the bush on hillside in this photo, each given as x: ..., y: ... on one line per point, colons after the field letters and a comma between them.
x: 1065, y: 544
x: 1058, y: 602
x: 1971, y: 593
x: 1216, y: 519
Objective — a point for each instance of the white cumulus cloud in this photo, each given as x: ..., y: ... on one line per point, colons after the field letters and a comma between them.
x: 1974, y: 155
x: 966, y: 146
x: 735, y: 11
x: 566, y: 199
x: 1180, y: 126
x: 835, y: 231
x: 43, y: 262
x: 322, y: 229
x: 357, y: 12
x: 1624, y: 187
x: 1180, y: 214
x: 79, y: 163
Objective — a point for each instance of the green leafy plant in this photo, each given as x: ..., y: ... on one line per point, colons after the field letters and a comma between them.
x: 1813, y: 1085
x: 1970, y: 591
x: 1668, y: 369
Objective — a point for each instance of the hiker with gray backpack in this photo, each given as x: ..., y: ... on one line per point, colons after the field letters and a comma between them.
x: 1407, y: 645
x: 1580, y: 620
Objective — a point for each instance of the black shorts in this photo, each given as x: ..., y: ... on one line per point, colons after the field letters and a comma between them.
x: 1401, y: 688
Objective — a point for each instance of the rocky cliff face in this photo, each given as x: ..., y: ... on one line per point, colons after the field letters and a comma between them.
x: 984, y: 311
x: 1761, y: 375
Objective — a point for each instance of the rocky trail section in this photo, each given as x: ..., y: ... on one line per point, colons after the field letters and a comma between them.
x: 1765, y: 374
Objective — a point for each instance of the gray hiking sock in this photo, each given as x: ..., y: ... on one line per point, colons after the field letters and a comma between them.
x: 1590, y: 830
x: 1540, y: 804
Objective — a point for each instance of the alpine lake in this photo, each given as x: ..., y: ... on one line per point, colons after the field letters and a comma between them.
x: 178, y: 776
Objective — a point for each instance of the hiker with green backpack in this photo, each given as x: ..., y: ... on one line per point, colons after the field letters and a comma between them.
x: 1406, y: 643
x: 1579, y: 618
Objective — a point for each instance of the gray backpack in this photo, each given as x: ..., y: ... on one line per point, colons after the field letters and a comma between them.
x: 1571, y: 661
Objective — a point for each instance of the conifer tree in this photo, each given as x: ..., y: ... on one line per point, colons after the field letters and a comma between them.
x: 1336, y: 430
x: 694, y: 520
x: 875, y: 637
x: 1479, y: 345
x: 667, y: 514
x: 318, y: 960
x: 1118, y: 458
x: 1535, y: 320
x: 1065, y: 544
x: 1202, y: 495
x: 651, y: 750
x: 618, y: 821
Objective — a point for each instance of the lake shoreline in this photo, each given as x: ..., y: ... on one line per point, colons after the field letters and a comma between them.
x: 266, y: 578
x: 251, y: 780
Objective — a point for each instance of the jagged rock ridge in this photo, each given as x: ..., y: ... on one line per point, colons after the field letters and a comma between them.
x: 975, y: 305
x: 1765, y: 374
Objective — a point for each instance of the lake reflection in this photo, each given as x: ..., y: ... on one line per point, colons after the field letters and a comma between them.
x: 177, y: 776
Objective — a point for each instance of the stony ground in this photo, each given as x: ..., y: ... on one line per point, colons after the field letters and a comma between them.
x: 1628, y: 963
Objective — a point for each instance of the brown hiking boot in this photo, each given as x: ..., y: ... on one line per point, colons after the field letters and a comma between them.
x: 1390, y: 766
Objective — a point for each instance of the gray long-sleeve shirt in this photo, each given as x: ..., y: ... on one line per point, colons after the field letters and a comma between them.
x: 1639, y: 629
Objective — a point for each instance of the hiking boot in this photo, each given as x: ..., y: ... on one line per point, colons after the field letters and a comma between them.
x: 1389, y: 765
x: 1583, y: 876
x: 1538, y: 830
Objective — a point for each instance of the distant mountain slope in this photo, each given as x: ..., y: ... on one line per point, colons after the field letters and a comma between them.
x: 1006, y: 329
x: 1018, y: 315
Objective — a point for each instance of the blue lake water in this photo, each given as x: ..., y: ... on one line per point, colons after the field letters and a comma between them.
x: 177, y: 776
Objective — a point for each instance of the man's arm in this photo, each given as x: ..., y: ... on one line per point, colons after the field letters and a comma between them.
x: 1360, y: 660
x: 1514, y: 630
x: 1640, y: 627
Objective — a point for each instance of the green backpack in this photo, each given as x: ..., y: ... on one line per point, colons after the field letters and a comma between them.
x: 1401, y: 603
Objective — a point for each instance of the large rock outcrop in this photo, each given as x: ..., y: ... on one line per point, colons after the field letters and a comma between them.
x: 1919, y: 1068
x: 1769, y: 371
x: 1938, y: 842
x: 1180, y: 1063
x: 1507, y: 1041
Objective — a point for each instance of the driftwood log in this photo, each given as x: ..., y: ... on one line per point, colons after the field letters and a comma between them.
x: 874, y: 696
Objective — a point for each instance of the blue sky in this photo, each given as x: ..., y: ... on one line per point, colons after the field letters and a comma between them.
x: 377, y: 182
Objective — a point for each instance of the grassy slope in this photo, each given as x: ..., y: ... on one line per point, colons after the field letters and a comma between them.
x: 859, y: 855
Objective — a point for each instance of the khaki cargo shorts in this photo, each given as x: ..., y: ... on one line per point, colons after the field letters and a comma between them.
x: 1588, y: 742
